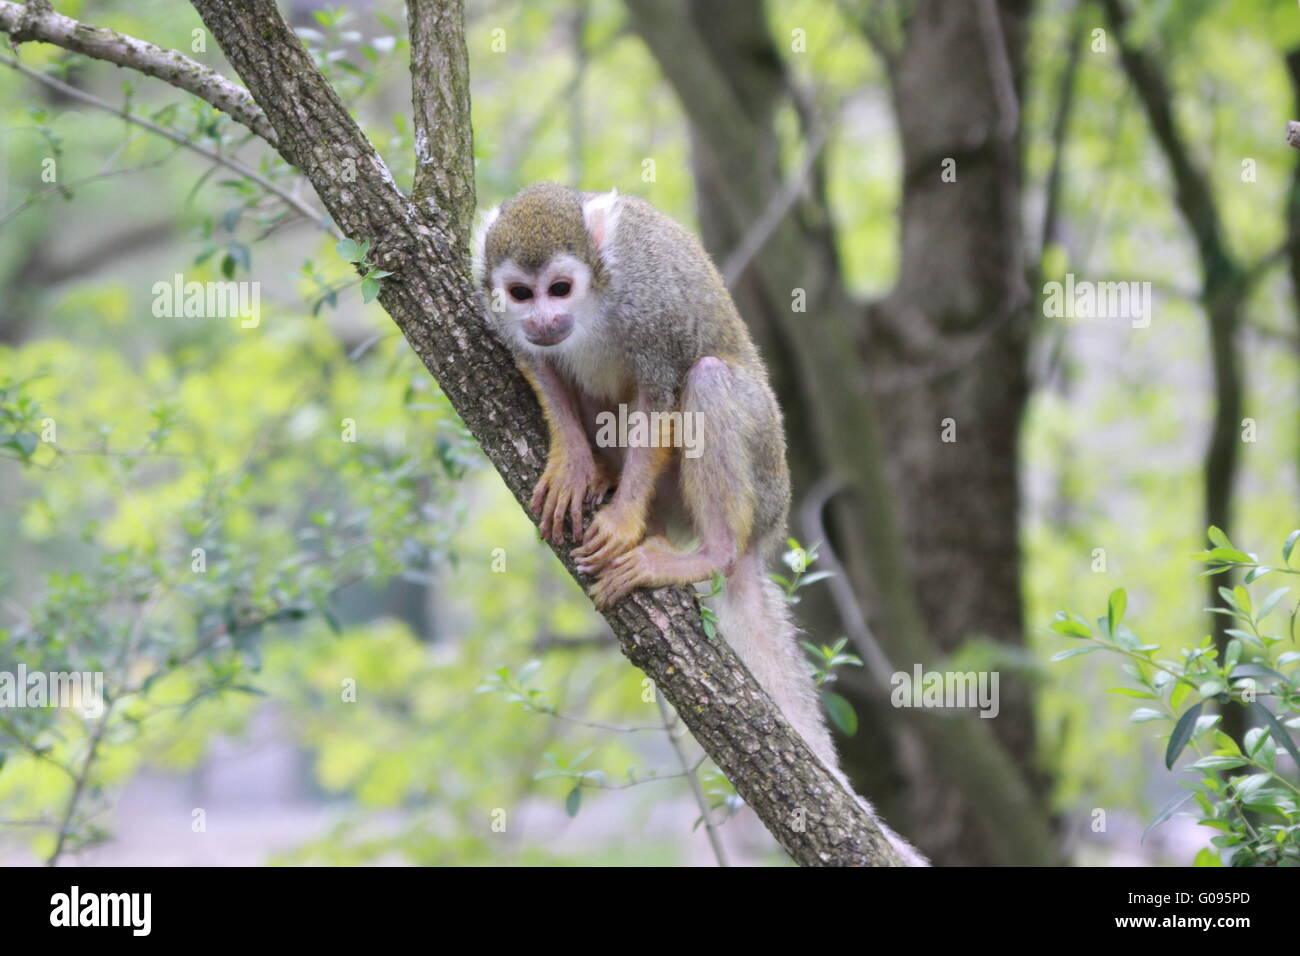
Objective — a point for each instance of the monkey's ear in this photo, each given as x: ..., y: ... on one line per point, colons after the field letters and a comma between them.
x: 601, y: 216
x: 478, y: 248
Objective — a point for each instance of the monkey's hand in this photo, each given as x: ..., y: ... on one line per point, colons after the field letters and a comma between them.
x: 569, y: 482
x: 633, y: 569
x: 620, y: 525
x: 615, y: 530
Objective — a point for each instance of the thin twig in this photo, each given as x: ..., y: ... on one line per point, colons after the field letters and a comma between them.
x: 597, y: 725
x: 715, y: 838
x: 33, y: 199
x: 1060, y: 131
x: 79, y: 785
x: 232, y: 164
x: 762, y: 228
x: 35, y: 21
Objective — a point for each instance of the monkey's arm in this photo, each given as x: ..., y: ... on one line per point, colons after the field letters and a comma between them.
x: 572, y: 477
x: 620, y: 525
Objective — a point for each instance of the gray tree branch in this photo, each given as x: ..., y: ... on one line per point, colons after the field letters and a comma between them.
x: 432, y: 300
x: 37, y: 21
x: 844, y: 441
x: 444, y: 145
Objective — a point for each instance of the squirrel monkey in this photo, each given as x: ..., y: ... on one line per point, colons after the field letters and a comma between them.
x: 613, y: 311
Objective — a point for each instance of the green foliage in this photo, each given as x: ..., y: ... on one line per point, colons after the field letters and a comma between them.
x: 1237, y: 787
x: 798, y: 560
x: 825, y: 658
x: 350, y: 250
x: 181, y: 550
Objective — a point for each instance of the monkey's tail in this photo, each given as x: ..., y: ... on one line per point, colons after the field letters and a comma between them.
x: 755, y: 619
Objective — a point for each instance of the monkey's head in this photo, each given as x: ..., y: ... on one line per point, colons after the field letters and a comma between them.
x: 541, y: 257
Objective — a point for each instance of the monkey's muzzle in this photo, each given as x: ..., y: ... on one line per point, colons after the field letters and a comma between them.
x: 549, y: 331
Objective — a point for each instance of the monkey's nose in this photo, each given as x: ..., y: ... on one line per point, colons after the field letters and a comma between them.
x: 548, y: 331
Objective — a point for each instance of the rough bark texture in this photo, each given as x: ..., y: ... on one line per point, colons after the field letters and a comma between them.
x: 950, y: 343
x: 444, y: 145
x: 964, y: 560
x: 432, y: 300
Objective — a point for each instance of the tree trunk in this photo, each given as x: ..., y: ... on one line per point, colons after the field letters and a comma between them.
x: 723, y: 63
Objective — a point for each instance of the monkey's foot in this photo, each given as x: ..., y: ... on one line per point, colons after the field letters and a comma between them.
x: 613, y: 532
x: 652, y: 564
x: 564, y: 488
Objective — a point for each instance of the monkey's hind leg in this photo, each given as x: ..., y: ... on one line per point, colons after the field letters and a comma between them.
x: 718, y: 488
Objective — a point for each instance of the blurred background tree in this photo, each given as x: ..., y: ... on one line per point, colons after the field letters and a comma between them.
x: 887, y: 186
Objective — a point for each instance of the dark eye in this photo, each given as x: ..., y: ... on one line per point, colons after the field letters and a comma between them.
x: 520, y: 293
x: 560, y: 289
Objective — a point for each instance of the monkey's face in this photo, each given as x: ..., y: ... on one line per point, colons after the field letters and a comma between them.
x: 543, y: 307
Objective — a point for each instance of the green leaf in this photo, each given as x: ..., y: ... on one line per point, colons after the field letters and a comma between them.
x: 1167, y: 811
x: 1205, y: 723
x: 23, y: 442
x: 1277, y: 730
x: 840, y: 712
x: 1182, y: 734
x: 1218, y: 762
x: 1226, y: 743
x: 1218, y: 537
x: 1073, y: 652
x: 1253, y: 738
x: 1115, y: 607
x: 1133, y: 692
x: 348, y: 250
x: 239, y: 253
x: 1233, y: 655
x: 1222, y: 825
x: 1255, y: 670
x: 1226, y: 554
x: 1246, y: 787
x: 1271, y: 602
x: 1147, y: 714
x: 1071, y: 628
x: 573, y: 802
x: 1255, y: 573
x: 1290, y: 545
x: 369, y: 289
